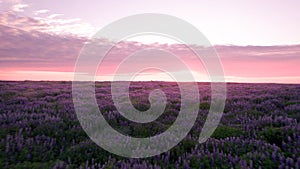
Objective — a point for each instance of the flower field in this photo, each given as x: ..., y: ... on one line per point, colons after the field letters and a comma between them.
x: 260, y: 127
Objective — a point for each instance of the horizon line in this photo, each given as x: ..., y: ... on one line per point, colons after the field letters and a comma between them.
x: 151, y: 81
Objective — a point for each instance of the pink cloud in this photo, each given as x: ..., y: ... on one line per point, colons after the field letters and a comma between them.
x: 260, y: 61
x: 21, y: 50
x: 41, y: 11
x: 52, y: 23
x: 19, y: 7
x: 25, y: 51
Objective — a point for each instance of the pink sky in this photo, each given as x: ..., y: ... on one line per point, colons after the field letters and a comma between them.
x: 256, y: 41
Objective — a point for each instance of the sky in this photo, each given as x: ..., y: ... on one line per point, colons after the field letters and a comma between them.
x: 257, y: 41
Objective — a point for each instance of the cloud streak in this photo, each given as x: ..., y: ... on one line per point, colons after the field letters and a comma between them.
x: 13, y: 15
x: 19, y: 7
x: 42, y: 11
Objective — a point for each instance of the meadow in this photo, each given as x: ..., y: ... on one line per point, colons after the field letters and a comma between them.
x: 259, y: 128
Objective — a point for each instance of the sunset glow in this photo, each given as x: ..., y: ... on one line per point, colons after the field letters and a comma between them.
x: 42, y: 40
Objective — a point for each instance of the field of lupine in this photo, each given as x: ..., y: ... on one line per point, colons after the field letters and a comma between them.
x: 259, y: 128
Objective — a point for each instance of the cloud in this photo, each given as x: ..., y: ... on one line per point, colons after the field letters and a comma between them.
x: 42, y: 11
x: 27, y: 49
x: 22, y: 22
x: 260, y: 61
x: 253, y: 53
x: 19, y: 7
x: 67, y: 26
x: 22, y: 50
x: 13, y: 15
x: 50, y: 24
x: 15, y: 6
x: 54, y: 16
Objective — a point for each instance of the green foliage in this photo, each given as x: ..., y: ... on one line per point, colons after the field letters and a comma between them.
x: 274, y: 135
x: 226, y: 131
x: 292, y: 103
x: 195, y: 162
x: 32, y: 165
x: 8, y: 95
x: 205, y: 106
